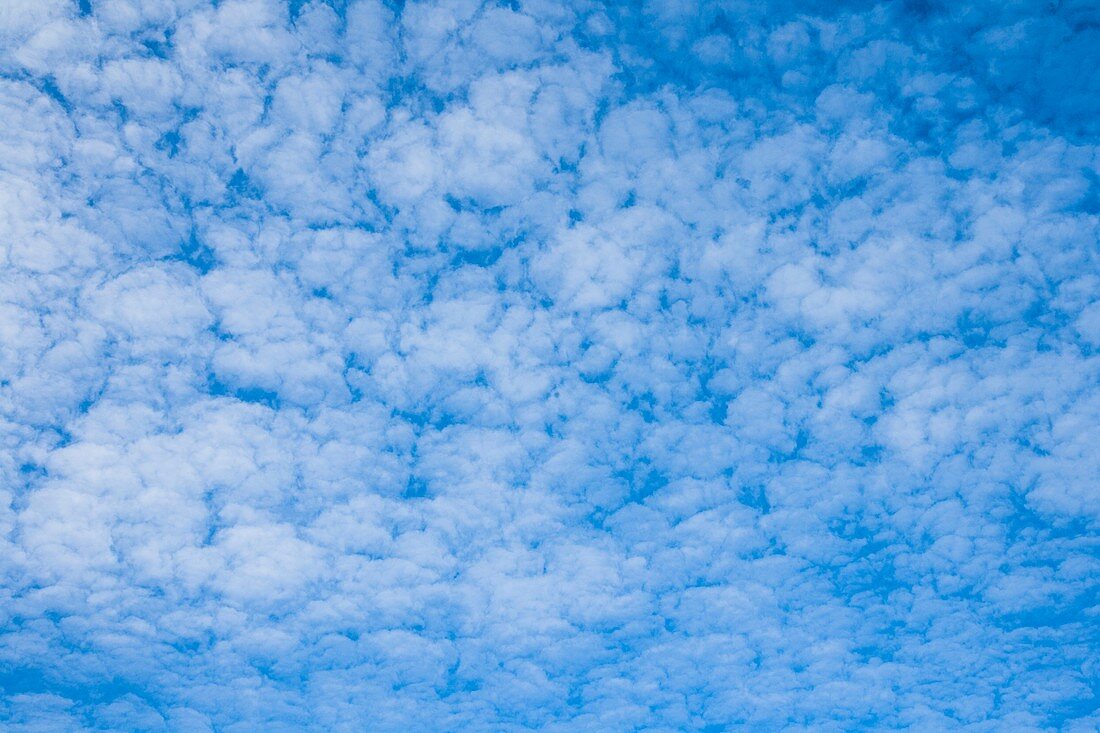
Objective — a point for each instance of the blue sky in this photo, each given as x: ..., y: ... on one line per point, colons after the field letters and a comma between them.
x: 476, y: 366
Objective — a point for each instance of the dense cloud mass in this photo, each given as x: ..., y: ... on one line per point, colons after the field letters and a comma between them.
x: 504, y: 366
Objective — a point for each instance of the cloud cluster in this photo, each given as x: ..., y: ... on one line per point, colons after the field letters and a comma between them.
x: 502, y: 366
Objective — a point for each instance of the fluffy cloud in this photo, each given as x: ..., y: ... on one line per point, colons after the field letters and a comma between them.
x: 525, y: 365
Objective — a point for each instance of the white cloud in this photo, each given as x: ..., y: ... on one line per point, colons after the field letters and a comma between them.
x: 494, y: 367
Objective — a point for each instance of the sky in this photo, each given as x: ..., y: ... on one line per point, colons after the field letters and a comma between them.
x: 662, y: 365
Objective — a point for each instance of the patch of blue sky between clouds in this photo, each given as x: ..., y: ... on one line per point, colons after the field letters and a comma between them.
x: 549, y: 366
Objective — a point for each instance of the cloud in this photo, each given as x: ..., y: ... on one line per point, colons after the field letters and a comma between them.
x: 510, y: 366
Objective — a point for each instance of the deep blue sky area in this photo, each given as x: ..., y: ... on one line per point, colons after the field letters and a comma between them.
x: 668, y: 365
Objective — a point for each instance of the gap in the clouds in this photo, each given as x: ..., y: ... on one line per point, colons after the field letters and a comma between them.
x: 801, y: 440
x: 1025, y: 523
x: 879, y: 650
x: 353, y: 368
x: 755, y: 497
x: 161, y: 49
x: 1070, y: 612
x: 886, y: 400
x: 477, y: 257
x: 242, y: 186
x: 644, y: 404
x: 870, y: 568
x: 426, y: 417
x: 170, y: 142
x: 601, y: 377
x: 213, y: 527
x: 1042, y: 316
x: 718, y: 410
x: 415, y: 488
x: 458, y: 205
x: 870, y: 454
x: 64, y: 438
x: 29, y: 681
x: 294, y: 8
x: 976, y: 330
x: 1075, y: 709
x: 1090, y: 204
x: 32, y: 469
x: 409, y: 92
x: 196, y: 254
x: 48, y: 86
x: 642, y: 481
x: 31, y: 474
x: 123, y: 112
x: 717, y: 403
x: 251, y: 395
x: 84, y: 7
x: 91, y: 399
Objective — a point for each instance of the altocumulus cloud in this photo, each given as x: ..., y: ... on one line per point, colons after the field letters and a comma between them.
x: 544, y: 365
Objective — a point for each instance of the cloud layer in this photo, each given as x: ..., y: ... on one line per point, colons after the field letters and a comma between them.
x: 549, y: 366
